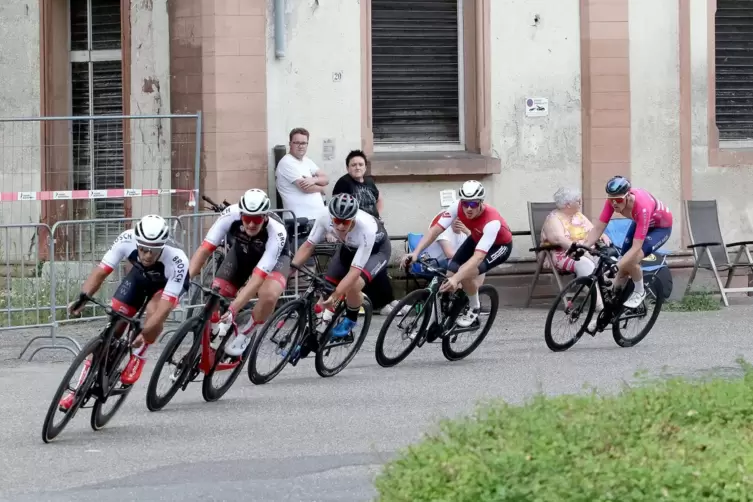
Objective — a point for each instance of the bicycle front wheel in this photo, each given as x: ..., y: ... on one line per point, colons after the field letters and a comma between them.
x: 578, y: 300
x: 410, y: 327
x: 224, y: 365
x: 451, y: 346
x: 183, y: 366
x: 279, y: 335
x: 335, y: 354
x: 90, y: 352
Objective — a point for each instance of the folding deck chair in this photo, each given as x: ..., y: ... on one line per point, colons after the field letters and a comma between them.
x: 709, y: 248
x: 537, y: 213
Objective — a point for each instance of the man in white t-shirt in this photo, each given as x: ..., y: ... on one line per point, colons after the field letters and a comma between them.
x: 299, y: 180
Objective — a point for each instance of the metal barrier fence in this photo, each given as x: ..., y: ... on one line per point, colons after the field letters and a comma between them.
x: 98, y: 167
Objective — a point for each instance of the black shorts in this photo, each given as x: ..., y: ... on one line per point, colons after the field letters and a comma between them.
x: 139, y: 286
x: 497, y: 255
x: 238, y: 266
x: 340, y: 263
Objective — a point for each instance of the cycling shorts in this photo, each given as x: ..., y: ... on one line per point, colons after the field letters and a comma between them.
x: 139, y: 286
x: 238, y: 266
x: 497, y: 255
x: 655, y: 238
x: 339, y: 264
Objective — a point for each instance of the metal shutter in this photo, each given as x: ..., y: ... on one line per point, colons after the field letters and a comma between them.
x: 97, y: 89
x: 415, y: 71
x: 734, y: 69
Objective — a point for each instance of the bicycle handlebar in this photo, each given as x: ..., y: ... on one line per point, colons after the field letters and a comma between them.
x: 214, y: 206
x: 425, y: 262
x: 322, y: 283
x: 212, y: 291
x: 83, y: 298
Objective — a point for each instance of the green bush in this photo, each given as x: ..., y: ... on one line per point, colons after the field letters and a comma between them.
x: 695, y: 302
x: 667, y: 440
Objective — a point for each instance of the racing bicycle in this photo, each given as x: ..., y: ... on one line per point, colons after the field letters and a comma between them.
x: 95, y: 372
x: 578, y: 300
x: 431, y: 316
x: 200, y: 358
x: 306, y: 332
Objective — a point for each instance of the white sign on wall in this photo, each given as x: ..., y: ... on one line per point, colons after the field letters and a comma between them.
x: 537, y: 107
x: 447, y: 198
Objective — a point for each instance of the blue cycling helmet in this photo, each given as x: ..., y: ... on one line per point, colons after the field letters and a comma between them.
x: 617, y: 186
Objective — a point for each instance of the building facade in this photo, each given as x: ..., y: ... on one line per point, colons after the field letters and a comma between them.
x: 661, y: 92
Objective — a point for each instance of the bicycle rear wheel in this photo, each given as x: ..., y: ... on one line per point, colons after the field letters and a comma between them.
x: 50, y: 430
x: 578, y: 295
x: 223, y: 363
x: 451, y: 351
x: 292, y: 314
x: 184, y: 365
x: 351, y: 342
x: 114, y: 368
x: 654, y: 298
x: 411, y: 326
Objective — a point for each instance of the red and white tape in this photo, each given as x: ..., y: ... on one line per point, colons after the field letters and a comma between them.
x: 112, y: 193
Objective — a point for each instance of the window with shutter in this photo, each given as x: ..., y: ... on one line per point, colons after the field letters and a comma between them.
x: 734, y: 69
x: 97, y: 89
x: 416, y: 74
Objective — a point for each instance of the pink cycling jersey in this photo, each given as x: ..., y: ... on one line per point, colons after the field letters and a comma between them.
x: 648, y: 212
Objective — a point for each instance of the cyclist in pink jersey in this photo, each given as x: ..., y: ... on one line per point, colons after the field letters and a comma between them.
x: 650, y: 230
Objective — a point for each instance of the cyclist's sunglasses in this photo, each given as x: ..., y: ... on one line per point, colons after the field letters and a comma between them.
x: 341, y: 221
x: 473, y: 204
x: 255, y: 219
x: 150, y: 250
x: 616, y: 200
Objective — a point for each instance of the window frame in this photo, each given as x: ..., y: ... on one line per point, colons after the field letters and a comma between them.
x: 455, y: 146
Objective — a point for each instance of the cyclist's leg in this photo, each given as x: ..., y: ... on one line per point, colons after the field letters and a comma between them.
x: 235, y: 270
x: 655, y: 238
x: 269, y: 292
x: 626, y: 245
x: 497, y: 255
x: 377, y: 263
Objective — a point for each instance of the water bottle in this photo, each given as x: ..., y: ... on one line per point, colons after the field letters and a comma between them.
x: 325, y: 317
x: 218, y: 330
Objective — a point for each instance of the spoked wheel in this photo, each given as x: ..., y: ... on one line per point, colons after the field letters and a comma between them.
x: 275, y: 340
x: 577, y: 301
x: 461, y: 342
x: 181, y: 367
x: 409, y: 328
x: 72, y: 381
x: 117, y: 391
x: 225, y: 367
x: 647, y: 311
x: 336, y: 353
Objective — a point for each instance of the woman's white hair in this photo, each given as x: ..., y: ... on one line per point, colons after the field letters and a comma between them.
x: 565, y: 196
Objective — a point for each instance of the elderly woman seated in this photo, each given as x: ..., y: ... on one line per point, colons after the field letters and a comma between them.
x: 565, y: 225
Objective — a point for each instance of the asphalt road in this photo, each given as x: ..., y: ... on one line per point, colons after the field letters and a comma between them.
x: 305, y: 438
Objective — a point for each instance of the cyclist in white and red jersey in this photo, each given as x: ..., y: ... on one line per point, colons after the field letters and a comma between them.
x: 260, y: 254
x: 488, y: 245
x: 158, y: 275
x: 650, y: 230
x: 364, y: 251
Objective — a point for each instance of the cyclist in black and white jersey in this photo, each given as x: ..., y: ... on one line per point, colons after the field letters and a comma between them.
x: 158, y: 274
x: 364, y: 251
x: 259, y: 258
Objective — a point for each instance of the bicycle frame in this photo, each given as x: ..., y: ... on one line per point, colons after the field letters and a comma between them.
x: 206, y: 354
x: 106, y: 389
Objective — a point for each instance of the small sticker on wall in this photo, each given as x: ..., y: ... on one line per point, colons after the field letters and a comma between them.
x: 328, y: 149
x: 537, y: 107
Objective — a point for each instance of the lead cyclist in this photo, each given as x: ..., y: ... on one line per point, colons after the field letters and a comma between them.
x: 158, y: 275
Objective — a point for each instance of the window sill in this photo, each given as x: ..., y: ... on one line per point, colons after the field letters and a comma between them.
x: 404, y: 164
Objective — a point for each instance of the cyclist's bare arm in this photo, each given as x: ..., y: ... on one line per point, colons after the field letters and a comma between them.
x: 199, y: 259
x: 595, y: 233
x: 428, y: 238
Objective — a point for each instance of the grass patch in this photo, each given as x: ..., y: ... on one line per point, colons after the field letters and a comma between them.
x: 664, y: 440
x: 694, y: 302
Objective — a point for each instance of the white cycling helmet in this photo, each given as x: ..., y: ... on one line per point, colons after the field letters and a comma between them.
x: 472, y: 190
x: 254, y: 201
x: 152, y: 231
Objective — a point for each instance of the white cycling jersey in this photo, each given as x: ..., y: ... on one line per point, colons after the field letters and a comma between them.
x: 171, y: 266
x: 270, y: 243
x: 365, y: 234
